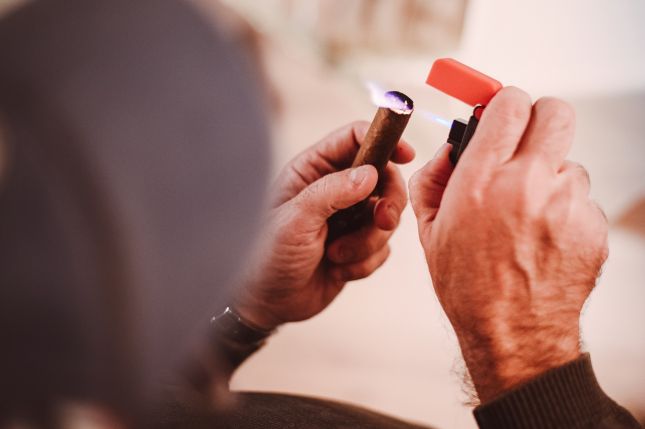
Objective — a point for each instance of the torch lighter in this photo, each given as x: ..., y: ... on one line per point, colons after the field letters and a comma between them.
x: 471, y: 87
x: 461, y: 132
x: 380, y: 142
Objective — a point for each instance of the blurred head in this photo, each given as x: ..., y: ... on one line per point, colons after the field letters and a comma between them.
x: 133, y: 157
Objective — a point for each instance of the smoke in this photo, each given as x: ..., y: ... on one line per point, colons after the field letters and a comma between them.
x: 382, y: 98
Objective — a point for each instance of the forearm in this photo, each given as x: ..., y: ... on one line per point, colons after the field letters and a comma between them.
x: 562, y: 398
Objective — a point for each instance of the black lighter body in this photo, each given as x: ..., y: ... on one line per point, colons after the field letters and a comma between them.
x: 461, y: 132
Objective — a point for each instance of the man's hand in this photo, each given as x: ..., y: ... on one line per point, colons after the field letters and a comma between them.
x: 513, y: 243
x: 295, y: 276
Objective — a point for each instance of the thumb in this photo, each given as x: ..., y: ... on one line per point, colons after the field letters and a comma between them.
x: 333, y: 192
x: 428, y: 184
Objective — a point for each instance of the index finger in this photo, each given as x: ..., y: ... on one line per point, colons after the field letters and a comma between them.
x: 337, y: 150
x: 340, y: 147
x: 499, y: 131
x: 333, y: 153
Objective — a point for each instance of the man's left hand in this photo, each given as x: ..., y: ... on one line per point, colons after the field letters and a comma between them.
x: 296, y: 275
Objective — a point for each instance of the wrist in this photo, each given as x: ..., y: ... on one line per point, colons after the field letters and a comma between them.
x: 501, y: 360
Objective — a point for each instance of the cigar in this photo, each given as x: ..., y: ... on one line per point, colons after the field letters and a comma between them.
x: 377, y: 148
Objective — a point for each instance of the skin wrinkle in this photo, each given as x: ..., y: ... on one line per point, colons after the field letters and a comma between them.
x: 324, y: 165
x: 300, y: 182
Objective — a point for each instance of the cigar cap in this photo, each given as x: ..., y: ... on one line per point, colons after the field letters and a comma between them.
x: 462, y: 82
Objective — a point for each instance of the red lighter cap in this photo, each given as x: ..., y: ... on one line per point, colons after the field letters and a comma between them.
x: 462, y: 82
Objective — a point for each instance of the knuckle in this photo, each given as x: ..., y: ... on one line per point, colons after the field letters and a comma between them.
x: 375, y: 243
x: 601, y: 212
x: 357, y: 271
x: 363, y: 270
x: 516, y: 94
x: 513, y: 103
x: 577, y: 177
x: 583, y: 173
x: 558, y: 113
x: 534, y: 169
x: 386, y: 254
x: 475, y: 196
x: 393, y: 207
x: 368, y: 247
x: 360, y: 252
x: 520, y: 188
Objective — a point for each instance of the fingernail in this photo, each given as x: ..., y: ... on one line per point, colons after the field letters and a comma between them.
x: 358, y: 175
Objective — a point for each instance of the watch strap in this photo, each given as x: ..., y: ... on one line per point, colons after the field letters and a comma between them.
x: 235, y: 328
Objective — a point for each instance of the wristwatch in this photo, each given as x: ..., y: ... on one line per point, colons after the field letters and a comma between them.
x: 233, y: 327
x: 232, y: 340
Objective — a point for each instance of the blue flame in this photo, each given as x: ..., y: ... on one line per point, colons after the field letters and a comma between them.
x: 436, y: 118
x: 379, y: 98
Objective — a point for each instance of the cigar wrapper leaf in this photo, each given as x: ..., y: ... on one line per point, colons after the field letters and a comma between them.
x: 377, y: 148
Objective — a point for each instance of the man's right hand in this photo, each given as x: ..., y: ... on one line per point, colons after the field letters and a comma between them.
x: 512, y: 240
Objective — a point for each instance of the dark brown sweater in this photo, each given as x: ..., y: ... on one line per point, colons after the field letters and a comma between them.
x: 568, y: 397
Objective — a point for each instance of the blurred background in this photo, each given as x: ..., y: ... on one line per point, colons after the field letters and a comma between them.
x: 385, y: 342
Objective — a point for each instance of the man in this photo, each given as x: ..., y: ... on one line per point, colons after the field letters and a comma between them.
x: 132, y: 163
x: 513, y: 243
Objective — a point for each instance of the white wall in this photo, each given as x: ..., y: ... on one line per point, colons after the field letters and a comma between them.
x: 566, y: 47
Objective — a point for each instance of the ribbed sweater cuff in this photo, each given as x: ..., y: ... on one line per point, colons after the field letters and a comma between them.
x: 565, y: 397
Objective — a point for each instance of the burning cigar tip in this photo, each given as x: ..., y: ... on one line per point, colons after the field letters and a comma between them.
x: 395, y: 101
x: 398, y: 102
